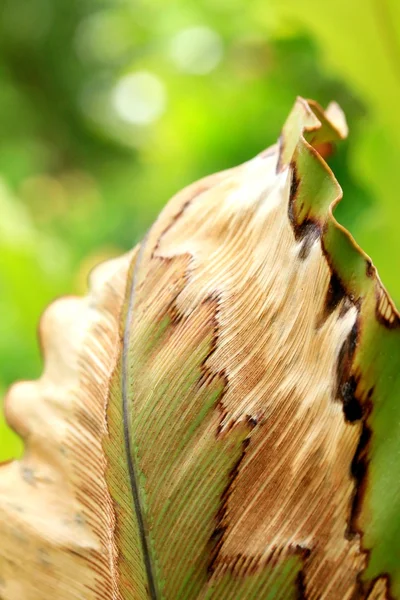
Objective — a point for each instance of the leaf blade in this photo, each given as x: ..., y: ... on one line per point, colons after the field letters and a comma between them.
x: 241, y: 373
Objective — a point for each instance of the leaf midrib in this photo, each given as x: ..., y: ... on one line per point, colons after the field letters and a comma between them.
x: 132, y: 467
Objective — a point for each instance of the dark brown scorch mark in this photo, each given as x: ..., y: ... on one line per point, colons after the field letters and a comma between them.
x: 309, y: 230
x: 301, y: 593
x: 359, y: 469
x: 346, y: 387
x: 370, y: 269
x: 335, y: 294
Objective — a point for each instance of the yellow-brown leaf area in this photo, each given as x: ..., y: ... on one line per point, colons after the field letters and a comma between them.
x: 181, y: 462
x: 278, y: 347
x: 56, y: 516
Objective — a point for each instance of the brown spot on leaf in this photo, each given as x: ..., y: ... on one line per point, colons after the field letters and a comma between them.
x: 334, y: 295
x: 301, y: 593
x: 346, y: 306
x: 352, y: 407
x: 370, y: 269
x: 294, y: 186
x: 309, y: 233
x: 359, y: 470
x: 309, y: 230
x: 324, y: 149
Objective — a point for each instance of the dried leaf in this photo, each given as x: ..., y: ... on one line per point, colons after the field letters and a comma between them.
x: 219, y: 418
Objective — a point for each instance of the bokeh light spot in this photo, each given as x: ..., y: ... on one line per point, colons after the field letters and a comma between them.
x: 196, y: 50
x: 139, y: 98
x: 103, y: 37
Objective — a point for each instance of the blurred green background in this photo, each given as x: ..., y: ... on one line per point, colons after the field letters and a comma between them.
x: 108, y: 107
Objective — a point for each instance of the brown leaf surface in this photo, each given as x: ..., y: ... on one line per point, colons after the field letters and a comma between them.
x: 56, y: 518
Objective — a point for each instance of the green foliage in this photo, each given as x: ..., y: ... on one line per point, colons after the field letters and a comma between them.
x: 81, y: 179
